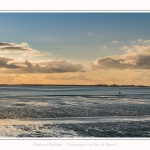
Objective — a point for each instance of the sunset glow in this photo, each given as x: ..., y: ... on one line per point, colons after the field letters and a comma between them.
x: 75, y: 48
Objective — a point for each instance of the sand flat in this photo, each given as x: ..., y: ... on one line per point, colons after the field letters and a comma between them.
x: 73, y: 120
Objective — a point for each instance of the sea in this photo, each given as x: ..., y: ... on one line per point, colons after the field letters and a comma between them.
x: 74, y: 112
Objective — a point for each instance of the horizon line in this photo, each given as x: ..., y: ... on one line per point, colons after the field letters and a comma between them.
x: 104, y: 85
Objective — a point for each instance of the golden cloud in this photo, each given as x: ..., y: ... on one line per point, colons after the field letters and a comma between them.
x: 136, y: 57
x: 10, y: 65
x: 23, y: 48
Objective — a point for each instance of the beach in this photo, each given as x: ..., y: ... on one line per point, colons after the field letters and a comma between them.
x: 74, y: 112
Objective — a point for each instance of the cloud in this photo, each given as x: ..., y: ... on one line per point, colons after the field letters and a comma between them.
x: 104, y: 47
x: 54, y: 66
x: 21, y: 65
x: 136, y: 57
x: 147, y: 41
x: 114, y: 42
x: 140, y: 41
x: 10, y: 65
x: 4, y: 44
x: 14, y: 47
x: 23, y: 48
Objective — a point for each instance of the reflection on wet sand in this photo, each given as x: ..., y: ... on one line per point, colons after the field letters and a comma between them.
x: 76, y: 127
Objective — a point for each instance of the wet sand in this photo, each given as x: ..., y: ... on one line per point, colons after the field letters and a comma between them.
x: 74, y: 116
x: 76, y: 127
x: 73, y: 120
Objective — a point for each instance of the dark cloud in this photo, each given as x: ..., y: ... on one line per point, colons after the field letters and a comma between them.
x: 109, y: 63
x: 20, y: 48
x: 8, y: 63
x: 139, y: 62
x: 54, y: 66
x: 143, y: 62
x: 63, y: 66
x: 15, y: 66
x: 138, y: 57
x: 4, y: 44
x: 14, y: 48
x: 28, y: 63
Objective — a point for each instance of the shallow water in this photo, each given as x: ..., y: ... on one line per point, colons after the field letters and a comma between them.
x: 74, y: 111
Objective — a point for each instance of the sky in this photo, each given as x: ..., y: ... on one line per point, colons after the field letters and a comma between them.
x: 75, y: 48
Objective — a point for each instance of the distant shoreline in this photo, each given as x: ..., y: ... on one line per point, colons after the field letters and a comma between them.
x: 98, y: 85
